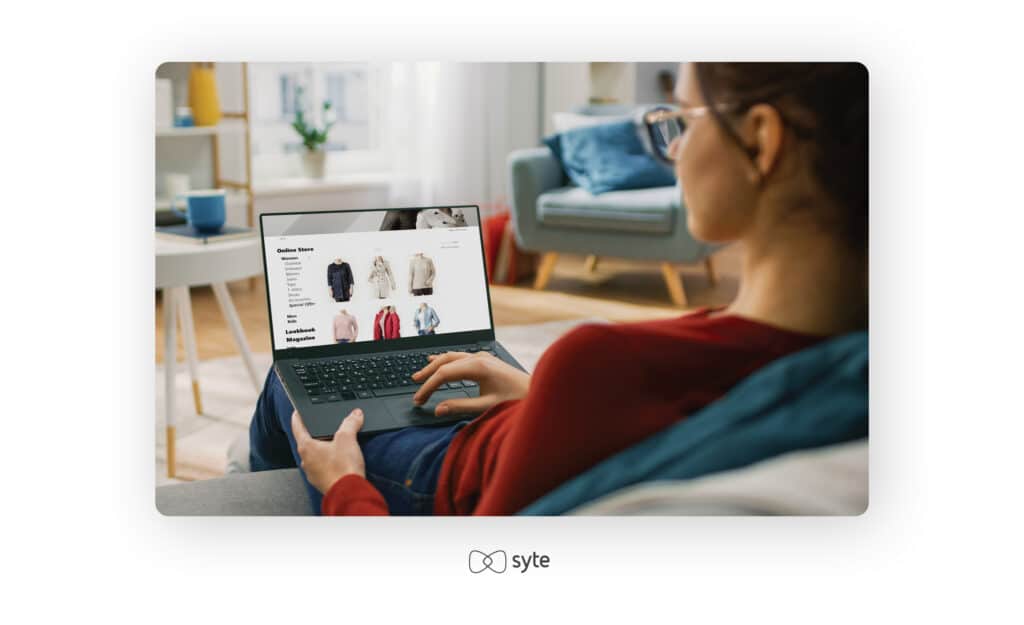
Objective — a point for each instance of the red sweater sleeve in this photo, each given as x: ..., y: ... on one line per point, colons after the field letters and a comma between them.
x: 581, y: 405
x: 353, y: 495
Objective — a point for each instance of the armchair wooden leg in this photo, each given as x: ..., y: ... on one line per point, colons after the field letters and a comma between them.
x: 590, y: 264
x: 709, y: 267
x: 547, y: 265
x: 674, y: 283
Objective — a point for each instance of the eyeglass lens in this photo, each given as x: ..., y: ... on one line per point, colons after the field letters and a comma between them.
x: 665, y: 132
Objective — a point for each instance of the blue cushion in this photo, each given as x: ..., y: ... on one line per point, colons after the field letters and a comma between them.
x: 648, y: 211
x: 608, y: 157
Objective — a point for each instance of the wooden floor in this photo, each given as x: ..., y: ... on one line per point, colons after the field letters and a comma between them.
x: 618, y: 290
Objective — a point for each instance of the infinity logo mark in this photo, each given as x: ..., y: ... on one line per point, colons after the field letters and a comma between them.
x: 479, y: 561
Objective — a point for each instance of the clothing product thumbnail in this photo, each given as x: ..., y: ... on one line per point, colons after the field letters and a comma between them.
x: 386, y: 324
x: 339, y: 278
x: 426, y: 320
x: 381, y: 279
x: 440, y: 218
x: 421, y: 274
x: 403, y: 219
x: 345, y: 327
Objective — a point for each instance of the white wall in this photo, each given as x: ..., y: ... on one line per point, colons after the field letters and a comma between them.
x: 519, y: 122
x: 646, y: 82
x: 566, y: 86
x: 570, y: 85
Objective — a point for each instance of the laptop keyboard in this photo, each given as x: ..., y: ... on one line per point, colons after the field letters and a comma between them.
x: 364, y: 377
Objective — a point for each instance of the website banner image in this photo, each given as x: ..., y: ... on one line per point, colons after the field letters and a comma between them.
x: 374, y: 275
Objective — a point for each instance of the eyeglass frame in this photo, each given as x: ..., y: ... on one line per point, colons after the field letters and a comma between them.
x: 685, y: 114
x: 662, y: 113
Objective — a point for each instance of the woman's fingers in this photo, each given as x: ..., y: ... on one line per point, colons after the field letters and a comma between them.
x: 352, y: 423
x: 437, y: 361
x: 462, y: 369
x: 299, y: 428
x: 469, y: 405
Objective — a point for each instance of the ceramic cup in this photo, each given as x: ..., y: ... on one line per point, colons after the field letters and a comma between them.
x: 205, y: 209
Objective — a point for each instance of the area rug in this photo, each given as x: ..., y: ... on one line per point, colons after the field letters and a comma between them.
x: 228, y: 398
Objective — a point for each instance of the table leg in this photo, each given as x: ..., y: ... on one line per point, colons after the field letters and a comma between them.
x: 220, y: 290
x: 170, y: 358
x: 188, y: 333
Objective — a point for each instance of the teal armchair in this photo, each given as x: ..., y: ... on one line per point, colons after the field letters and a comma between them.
x: 550, y: 216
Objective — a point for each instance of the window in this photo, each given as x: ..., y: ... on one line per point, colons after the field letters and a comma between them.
x: 278, y: 90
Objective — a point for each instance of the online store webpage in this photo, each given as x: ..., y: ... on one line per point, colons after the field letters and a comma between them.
x: 374, y: 275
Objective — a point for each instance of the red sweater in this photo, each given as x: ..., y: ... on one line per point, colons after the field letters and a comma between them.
x: 595, y: 392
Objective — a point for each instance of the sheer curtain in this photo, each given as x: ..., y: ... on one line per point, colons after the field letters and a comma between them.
x: 448, y: 129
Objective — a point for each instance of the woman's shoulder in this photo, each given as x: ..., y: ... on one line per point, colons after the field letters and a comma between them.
x: 677, y: 326
x: 704, y: 327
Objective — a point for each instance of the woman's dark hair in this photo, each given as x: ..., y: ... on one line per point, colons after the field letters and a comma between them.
x: 824, y: 104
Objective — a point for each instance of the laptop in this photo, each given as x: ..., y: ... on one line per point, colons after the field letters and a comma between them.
x: 358, y: 299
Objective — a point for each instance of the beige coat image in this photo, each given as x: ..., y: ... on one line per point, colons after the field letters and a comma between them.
x: 381, y: 278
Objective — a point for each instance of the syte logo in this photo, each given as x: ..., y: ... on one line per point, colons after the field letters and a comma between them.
x: 497, y: 561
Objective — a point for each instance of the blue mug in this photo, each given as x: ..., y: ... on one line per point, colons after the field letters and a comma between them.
x: 204, y: 210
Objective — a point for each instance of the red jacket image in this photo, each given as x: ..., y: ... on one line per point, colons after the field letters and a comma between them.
x: 388, y: 329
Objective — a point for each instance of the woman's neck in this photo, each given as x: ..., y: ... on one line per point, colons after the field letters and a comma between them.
x: 803, y: 281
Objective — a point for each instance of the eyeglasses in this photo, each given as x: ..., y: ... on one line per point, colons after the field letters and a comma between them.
x: 665, y: 125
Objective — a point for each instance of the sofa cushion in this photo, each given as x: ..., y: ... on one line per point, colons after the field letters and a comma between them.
x: 608, y: 157
x: 831, y: 480
x: 650, y: 211
x: 564, y: 122
x: 266, y: 493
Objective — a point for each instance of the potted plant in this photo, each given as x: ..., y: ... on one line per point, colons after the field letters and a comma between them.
x: 314, y: 158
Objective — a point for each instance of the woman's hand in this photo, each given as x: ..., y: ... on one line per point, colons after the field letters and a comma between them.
x: 325, y: 462
x: 498, y: 380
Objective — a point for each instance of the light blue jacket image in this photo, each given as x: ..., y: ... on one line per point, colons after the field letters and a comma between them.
x: 426, y: 318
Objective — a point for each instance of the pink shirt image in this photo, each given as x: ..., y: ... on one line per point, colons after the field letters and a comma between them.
x: 345, y: 327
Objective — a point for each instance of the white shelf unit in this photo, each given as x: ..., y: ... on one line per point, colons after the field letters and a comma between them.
x: 200, y: 131
x: 198, y: 150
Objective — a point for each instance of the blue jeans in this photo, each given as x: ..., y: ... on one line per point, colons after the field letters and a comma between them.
x: 403, y: 465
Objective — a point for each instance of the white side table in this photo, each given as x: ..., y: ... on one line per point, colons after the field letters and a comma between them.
x: 183, y: 265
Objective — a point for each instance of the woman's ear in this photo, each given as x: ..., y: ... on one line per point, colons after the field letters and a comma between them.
x: 763, y: 130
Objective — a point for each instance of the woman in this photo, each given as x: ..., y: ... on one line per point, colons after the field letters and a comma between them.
x: 773, y: 156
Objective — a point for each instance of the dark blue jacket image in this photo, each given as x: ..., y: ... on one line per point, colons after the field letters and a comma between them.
x: 339, y: 278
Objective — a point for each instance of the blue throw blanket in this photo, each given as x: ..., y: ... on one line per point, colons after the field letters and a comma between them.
x: 813, y: 398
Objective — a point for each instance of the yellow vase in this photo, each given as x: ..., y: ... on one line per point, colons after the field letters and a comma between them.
x: 202, y: 94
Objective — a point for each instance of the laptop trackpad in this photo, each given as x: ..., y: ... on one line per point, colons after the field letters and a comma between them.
x: 406, y: 413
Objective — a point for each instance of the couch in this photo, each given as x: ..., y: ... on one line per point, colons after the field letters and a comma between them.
x: 828, y: 481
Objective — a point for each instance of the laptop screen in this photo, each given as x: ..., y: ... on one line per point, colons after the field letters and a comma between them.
x: 347, y: 277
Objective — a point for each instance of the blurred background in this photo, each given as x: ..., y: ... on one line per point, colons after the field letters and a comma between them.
x: 401, y: 133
